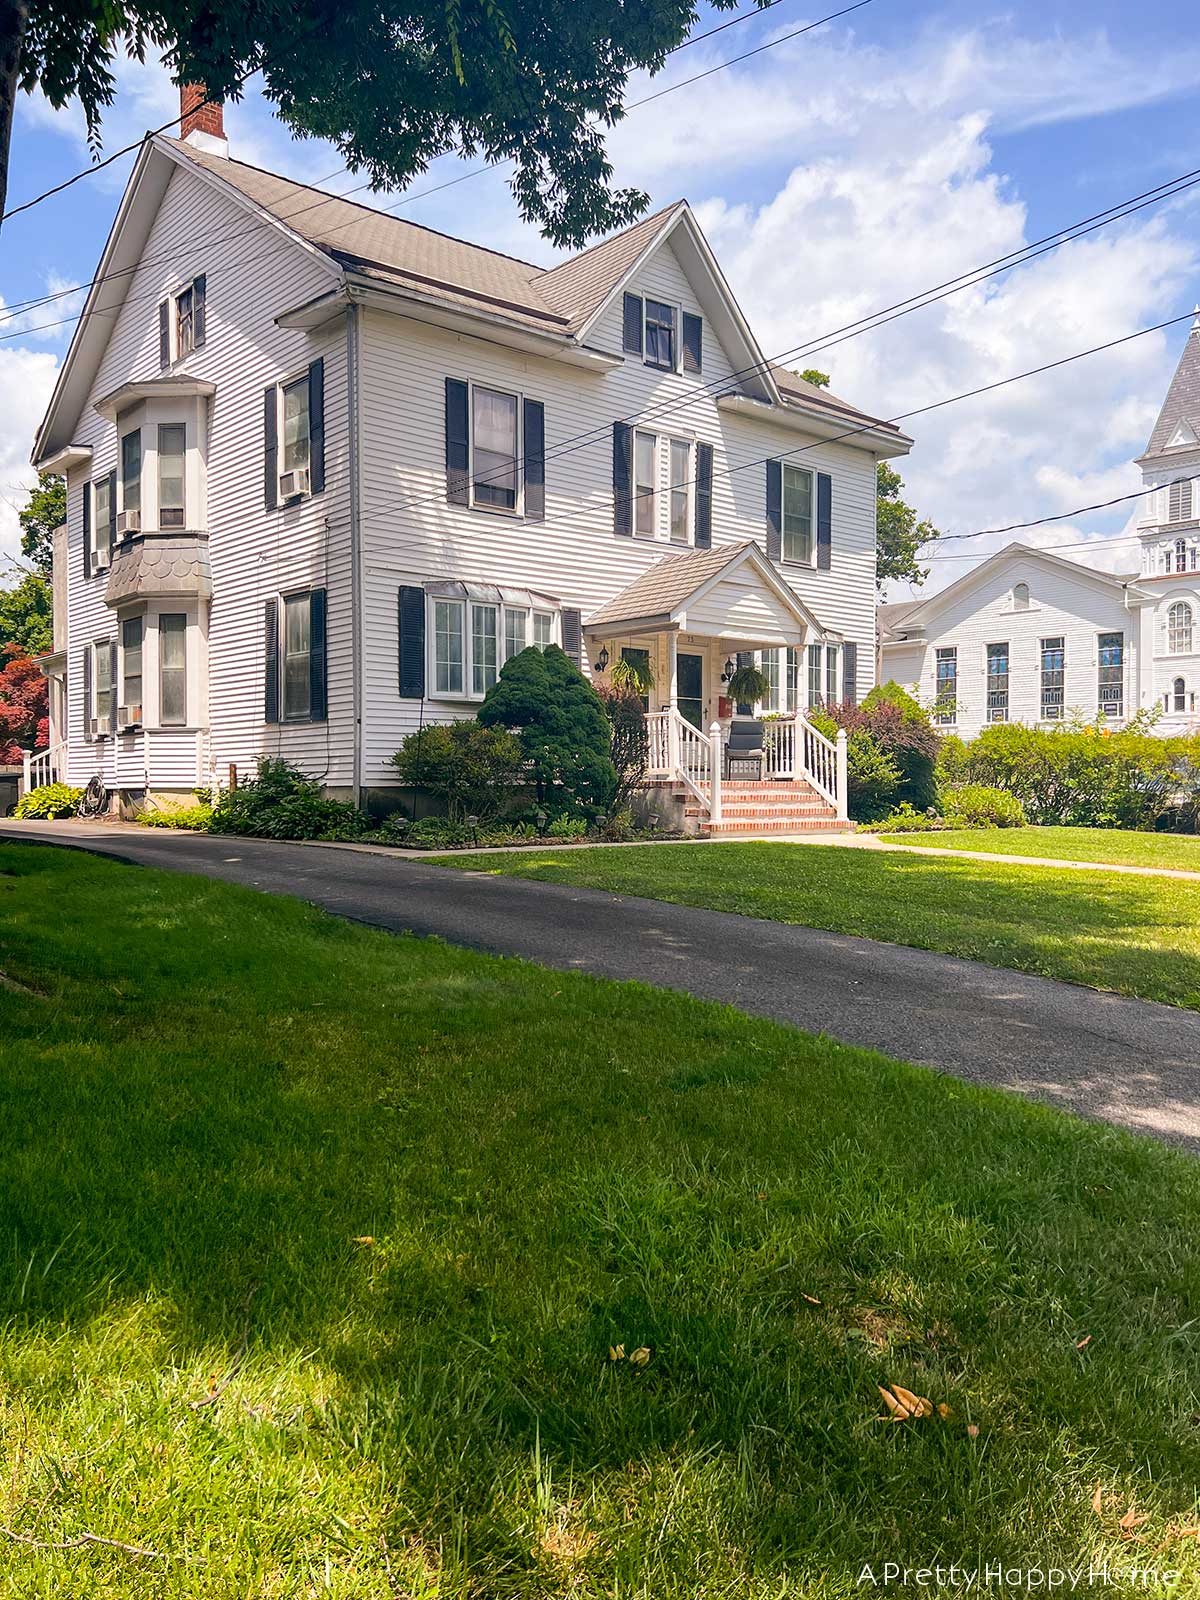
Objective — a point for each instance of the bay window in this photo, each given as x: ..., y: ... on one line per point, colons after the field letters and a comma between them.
x: 484, y: 667
x: 172, y: 669
x: 130, y: 711
x: 797, y: 515
x: 470, y: 640
x: 494, y: 448
x: 171, y: 458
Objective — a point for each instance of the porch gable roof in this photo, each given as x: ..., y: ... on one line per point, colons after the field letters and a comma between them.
x: 660, y: 596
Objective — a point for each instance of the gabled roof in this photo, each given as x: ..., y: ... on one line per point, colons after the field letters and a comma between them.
x: 555, y: 308
x: 1182, y: 405
x: 898, y: 621
x: 661, y: 594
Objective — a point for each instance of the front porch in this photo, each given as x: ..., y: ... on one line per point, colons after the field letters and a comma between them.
x: 687, y: 624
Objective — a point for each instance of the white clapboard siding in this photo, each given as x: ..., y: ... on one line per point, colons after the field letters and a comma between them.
x: 253, y: 274
x: 411, y: 536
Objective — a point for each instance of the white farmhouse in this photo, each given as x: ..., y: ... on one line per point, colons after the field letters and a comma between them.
x: 328, y: 470
x: 1028, y: 636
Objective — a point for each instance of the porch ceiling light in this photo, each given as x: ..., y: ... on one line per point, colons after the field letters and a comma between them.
x: 602, y: 659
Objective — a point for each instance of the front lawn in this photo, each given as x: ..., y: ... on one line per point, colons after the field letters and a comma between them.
x: 1139, y: 936
x: 1069, y: 844
x: 317, y: 1243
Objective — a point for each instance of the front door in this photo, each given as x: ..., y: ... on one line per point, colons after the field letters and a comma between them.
x: 689, y: 679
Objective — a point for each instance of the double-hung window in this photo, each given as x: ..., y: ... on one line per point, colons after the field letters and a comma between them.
x: 997, y: 683
x: 131, y: 480
x: 831, y: 674
x: 485, y: 666
x: 185, y: 322
x: 172, y: 669
x: 770, y: 667
x: 1054, y: 677
x: 1111, y: 674
x: 660, y: 335
x: 814, y: 674
x: 131, y: 671
x: 448, y: 652
x: 102, y: 519
x: 171, y: 473
x: 680, y: 491
x: 645, y: 460
x: 516, y: 631
x: 946, y: 703
x: 543, y: 629
x: 494, y: 474
x: 1181, y: 555
x: 792, y: 671
x: 297, y: 435
x: 797, y: 514
x: 104, y: 667
x: 297, y: 657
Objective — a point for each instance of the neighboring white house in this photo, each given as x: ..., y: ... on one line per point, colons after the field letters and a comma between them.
x: 1031, y: 637
x: 327, y: 470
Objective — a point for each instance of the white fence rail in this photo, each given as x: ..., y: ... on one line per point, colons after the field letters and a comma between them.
x: 795, y: 750
x: 43, y: 766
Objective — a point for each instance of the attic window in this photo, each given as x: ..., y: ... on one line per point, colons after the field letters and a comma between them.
x: 660, y: 335
x: 1020, y: 596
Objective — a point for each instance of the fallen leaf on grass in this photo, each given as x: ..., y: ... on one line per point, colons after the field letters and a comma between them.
x: 363, y: 1238
x: 1130, y: 1521
x: 616, y: 1352
x: 1098, y: 1501
x: 943, y: 1410
x: 903, y: 1404
x: 811, y: 1298
x: 1082, y: 1344
x: 640, y: 1356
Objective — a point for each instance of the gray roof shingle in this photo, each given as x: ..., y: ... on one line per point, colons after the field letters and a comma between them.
x: 1183, y: 400
x: 663, y: 587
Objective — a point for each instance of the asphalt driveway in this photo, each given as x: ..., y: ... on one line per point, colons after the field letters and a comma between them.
x: 1131, y: 1062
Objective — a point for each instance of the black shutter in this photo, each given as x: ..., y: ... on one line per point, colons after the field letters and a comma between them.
x: 164, y: 334
x: 270, y: 450
x: 87, y: 529
x: 318, y: 675
x: 774, y: 510
x: 89, y: 727
x: 631, y: 328
x: 824, y: 520
x: 850, y: 672
x: 535, y: 461
x: 410, y: 617
x: 704, y: 469
x: 199, y: 290
x: 572, y: 636
x: 622, y: 478
x: 693, y: 343
x: 112, y: 516
x: 458, y: 448
x: 271, y: 660
x: 316, y: 425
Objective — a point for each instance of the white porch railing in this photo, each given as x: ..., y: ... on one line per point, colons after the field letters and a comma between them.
x: 795, y: 750
x: 43, y: 766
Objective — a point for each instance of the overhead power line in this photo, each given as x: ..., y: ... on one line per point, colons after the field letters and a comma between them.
x: 1058, y: 516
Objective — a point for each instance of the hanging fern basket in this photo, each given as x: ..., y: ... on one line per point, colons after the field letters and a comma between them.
x: 749, y: 685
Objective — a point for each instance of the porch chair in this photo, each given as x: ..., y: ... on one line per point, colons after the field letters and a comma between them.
x: 745, y: 748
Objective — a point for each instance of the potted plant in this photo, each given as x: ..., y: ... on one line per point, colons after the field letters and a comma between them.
x: 748, y: 685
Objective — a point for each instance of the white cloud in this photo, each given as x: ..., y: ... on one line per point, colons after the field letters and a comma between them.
x: 26, y: 379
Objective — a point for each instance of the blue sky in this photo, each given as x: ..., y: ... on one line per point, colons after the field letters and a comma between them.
x: 835, y: 174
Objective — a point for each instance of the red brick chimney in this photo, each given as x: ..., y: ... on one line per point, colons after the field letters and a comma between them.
x: 201, y: 117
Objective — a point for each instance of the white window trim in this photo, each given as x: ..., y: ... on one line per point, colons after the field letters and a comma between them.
x: 113, y: 478
x: 677, y: 352
x: 113, y: 647
x: 516, y: 510
x: 663, y: 481
x: 302, y: 376
x: 119, y: 669
x: 784, y: 559
x: 432, y: 601
x: 945, y: 718
x: 172, y: 300
x: 294, y: 717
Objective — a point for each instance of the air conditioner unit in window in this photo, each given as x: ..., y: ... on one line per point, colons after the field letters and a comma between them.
x: 129, y: 522
x: 292, y: 484
x: 129, y: 716
x: 103, y: 726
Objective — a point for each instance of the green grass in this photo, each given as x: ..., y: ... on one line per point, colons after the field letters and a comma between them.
x: 401, y: 1199
x: 1138, y: 936
x: 1069, y: 844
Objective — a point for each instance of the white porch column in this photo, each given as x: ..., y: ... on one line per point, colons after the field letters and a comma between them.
x: 715, y: 754
x: 843, y: 808
x: 673, y: 700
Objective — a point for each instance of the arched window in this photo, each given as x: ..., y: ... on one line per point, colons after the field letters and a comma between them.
x: 1181, y: 555
x: 1020, y: 597
x: 1179, y: 694
x: 1166, y: 556
x: 1179, y: 628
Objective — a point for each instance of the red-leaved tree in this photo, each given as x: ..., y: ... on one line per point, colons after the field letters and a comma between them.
x: 24, y: 706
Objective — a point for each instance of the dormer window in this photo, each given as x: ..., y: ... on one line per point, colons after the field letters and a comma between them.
x: 652, y: 329
x: 185, y: 324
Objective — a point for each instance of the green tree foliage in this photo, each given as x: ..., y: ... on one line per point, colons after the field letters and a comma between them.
x: 471, y: 769
x: 899, y: 535
x: 630, y: 749
x: 560, y: 720
x: 26, y: 615
x: 815, y: 376
x: 393, y: 86
x: 891, y: 752
x: 47, y: 510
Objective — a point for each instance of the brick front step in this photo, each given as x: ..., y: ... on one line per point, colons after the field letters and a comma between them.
x: 782, y: 812
x: 754, y: 830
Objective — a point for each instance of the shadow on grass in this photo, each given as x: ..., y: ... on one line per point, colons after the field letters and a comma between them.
x: 454, y: 1183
